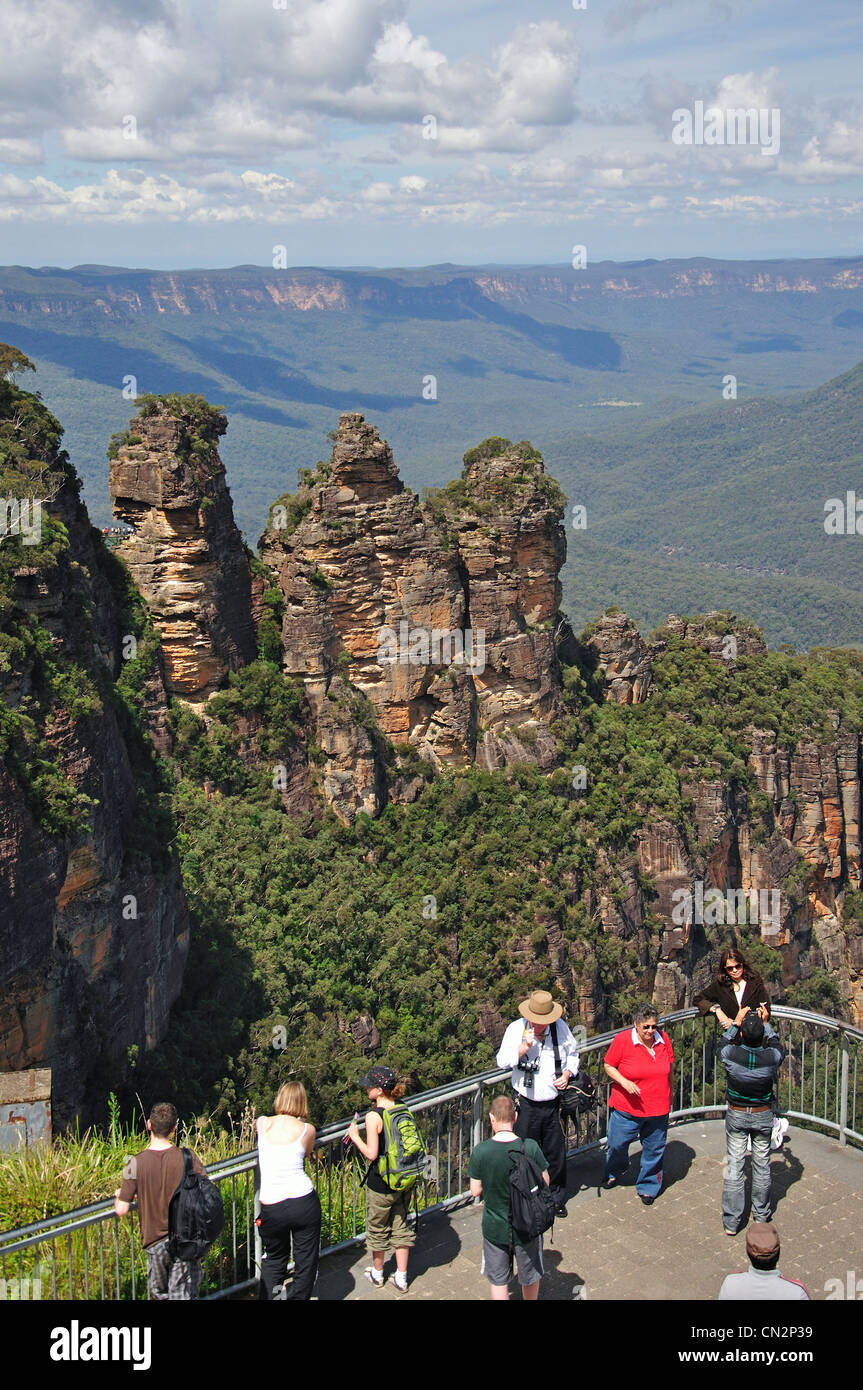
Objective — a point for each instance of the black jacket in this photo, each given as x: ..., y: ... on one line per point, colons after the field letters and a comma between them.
x: 720, y: 992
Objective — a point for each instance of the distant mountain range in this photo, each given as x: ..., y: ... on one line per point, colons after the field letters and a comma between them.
x: 584, y: 363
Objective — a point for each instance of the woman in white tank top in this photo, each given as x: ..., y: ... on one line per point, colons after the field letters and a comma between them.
x: 290, y: 1209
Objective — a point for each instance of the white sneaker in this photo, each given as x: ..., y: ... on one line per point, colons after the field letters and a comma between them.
x: 780, y: 1129
x: 374, y: 1276
x: 401, y: 1281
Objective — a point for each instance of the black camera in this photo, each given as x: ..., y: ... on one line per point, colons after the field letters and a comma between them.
x: 530, y: 1067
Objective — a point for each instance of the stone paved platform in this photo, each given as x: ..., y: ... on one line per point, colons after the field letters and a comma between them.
x: 611, y: 1247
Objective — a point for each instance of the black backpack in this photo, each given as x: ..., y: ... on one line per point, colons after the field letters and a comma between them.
x: 584, y: 1090
x: 532, y: 1207
x: 195, y: 1215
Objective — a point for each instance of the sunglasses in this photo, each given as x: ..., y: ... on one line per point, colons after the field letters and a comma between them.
x: 735, y: 965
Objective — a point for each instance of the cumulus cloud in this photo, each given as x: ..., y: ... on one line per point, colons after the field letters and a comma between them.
x: 227, y: 79
x: 19, y: 151
x: 837, y: 153
x: 229, y: 111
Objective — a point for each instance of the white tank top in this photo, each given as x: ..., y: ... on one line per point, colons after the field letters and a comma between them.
x: 282, y: 1171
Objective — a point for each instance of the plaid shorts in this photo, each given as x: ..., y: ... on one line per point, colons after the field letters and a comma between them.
x: 171, y: 1280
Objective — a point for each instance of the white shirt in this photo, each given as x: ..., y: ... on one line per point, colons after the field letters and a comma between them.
x: 739, y: 991
x: 282, y: 1168
x: 537, y: 1085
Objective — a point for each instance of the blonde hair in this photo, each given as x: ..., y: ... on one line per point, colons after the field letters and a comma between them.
x: 292, y: 1100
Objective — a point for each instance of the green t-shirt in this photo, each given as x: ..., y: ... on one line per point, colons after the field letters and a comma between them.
x: 491, y: 1163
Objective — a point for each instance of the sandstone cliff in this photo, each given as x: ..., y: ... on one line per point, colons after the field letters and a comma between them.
x: 93, y: 922
x: 126, y: 295
x: 802, y: 845
x: 440, y: 613
x: 185, y: 554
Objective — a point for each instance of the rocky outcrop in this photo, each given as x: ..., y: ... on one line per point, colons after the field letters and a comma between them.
x: 505, y: 521
x: 782, y: 873
x: 723, y: 635
x: 93, y: 920
x: 185, y: 553
x: 815, y: 793
x: 441, y: 614
x: 616, y: 646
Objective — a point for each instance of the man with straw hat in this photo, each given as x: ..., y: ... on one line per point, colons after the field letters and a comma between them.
x: 528, y: 1046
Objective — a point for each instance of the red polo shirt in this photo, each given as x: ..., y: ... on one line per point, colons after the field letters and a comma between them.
x: 651, y: 1074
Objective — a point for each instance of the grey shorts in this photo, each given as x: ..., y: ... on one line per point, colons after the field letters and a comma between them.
x: 497, y: 1262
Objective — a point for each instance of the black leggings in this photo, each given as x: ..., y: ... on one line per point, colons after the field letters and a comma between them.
x: 297, y: 1218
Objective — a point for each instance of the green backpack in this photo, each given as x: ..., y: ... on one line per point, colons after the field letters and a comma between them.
x: 404, y: 1156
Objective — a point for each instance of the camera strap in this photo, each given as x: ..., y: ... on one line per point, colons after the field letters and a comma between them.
x: 556, y: 1049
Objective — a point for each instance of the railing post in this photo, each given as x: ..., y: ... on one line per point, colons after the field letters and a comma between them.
x: 258, y: 1242
x: 843, y: 1095
x: 477, y: 1117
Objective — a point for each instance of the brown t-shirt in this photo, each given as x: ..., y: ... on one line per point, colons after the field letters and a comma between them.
x: 153, y: 1176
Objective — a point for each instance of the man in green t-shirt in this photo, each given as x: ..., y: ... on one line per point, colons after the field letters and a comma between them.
x: 489, y: 1170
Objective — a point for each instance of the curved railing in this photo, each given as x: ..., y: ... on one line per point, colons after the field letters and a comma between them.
x: 90, y: 1253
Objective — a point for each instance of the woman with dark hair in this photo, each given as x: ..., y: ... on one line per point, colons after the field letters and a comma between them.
x: 737, y: 989
x: 736, y: 986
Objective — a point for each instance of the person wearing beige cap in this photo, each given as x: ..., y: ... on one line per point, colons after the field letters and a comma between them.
x: 762, y: 1280
x: 543, y: 1055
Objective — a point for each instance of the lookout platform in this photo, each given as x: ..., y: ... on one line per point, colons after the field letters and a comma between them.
x: 612, y: 1247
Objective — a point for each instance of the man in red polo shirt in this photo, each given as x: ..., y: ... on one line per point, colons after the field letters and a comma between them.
x: 639, y: 1064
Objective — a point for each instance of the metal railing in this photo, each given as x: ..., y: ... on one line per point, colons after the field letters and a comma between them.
x: 92, y: 1254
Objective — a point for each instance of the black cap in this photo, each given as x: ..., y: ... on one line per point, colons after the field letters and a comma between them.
x: 752, y: 1030
x: 384, y: 1077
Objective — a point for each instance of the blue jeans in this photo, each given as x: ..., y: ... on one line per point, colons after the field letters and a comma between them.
x: 739, y: 1126
x: 623, y: 1130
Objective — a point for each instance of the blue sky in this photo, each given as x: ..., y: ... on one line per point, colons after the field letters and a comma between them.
x: 181, y: 133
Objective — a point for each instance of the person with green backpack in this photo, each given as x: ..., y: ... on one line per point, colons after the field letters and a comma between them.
x: 396, y: 1153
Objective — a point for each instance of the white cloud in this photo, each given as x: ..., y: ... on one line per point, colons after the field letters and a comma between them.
x: 228, y: 79
x: 16, y: 151
x: 398, y: 46
x: 836, y: 154
x: 229, y: 97
x: 748, y: 89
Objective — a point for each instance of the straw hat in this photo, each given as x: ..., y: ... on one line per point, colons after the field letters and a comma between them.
x: 540, y: 1008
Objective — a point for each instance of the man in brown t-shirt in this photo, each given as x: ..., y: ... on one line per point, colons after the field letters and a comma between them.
x: 153, y: 1176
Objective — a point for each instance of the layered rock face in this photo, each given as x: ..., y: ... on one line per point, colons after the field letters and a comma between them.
x: 93, y: 920
x: 186, y: 555
x: 787, y: 872
x: 618, y: 649
x: 722, y: 635
x: 511, y: 547
x: 441, y: 614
